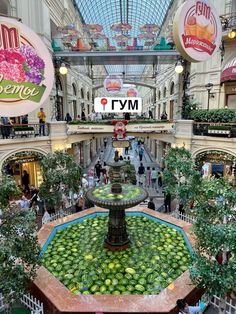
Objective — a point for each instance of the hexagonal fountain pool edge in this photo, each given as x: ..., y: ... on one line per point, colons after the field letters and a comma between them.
x: 58, y: 299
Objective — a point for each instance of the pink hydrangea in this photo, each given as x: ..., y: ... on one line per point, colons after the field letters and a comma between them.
x: 14, y: 72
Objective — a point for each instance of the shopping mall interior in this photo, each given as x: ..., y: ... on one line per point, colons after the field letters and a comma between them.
x: 171, y: 66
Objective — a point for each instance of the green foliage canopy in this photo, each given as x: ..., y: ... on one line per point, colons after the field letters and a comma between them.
x: 8, y: 188
x: 61, y: 174
x: 19, y: 252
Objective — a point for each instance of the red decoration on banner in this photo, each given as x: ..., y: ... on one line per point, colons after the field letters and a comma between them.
x: 119, y: 128
x: 194, y: 42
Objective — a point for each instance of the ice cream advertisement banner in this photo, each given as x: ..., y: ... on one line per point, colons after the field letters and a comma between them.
x: 26, y: 69
x: 197, y: 30
x: 113, y: 84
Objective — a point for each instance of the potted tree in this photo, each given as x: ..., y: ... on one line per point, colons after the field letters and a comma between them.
x: 19, y: 250
x: 213, y: 265
x: 61, y: 175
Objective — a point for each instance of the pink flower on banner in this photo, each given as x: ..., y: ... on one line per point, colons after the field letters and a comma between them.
x: 11, y: 56
x: 14, y: 72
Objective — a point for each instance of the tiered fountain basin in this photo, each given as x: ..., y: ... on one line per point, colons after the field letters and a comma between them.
x: 58, y: 298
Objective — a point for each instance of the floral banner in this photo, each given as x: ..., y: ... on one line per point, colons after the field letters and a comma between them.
x: 26, y: 69
x: 22, y: 91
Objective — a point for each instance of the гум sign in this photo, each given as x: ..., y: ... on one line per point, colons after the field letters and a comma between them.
x: 26, y: 69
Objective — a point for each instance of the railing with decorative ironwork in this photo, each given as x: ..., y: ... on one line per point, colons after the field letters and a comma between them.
x: 22, y: 130
x: 214, y: 129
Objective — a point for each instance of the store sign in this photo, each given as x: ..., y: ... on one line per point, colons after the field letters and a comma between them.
x: 110, y: 104
x: 197, y: 30
x: 120, y: 144
x: 113, y: 84
x: 26, y: 69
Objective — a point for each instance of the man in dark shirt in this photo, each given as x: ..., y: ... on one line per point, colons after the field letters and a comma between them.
x: 141, y: 171
x: 25, y: 181
x: 98, y: 169
x: 151, y: 204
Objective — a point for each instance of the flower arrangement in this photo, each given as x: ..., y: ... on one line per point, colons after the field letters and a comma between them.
x: 21, y: 65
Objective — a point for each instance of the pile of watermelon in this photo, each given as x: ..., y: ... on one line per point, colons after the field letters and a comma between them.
x: 157, y: 256
x: 129, y: 193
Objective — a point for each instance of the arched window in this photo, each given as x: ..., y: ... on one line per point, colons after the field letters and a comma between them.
x: 164, y: 93
x: 74, y: 102
x: 172, y: 88
x: 159, y: 95
x: 5, y: 7
x: 82, y: 92
x: 88, y: 95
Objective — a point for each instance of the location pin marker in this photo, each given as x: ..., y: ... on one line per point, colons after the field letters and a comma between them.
x: 104, y: 102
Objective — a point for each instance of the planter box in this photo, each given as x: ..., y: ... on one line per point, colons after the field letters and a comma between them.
x: 24, y: 133
x: 219, y: 132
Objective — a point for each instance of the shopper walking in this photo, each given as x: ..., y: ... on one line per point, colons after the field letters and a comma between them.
x: 141, y: 152
x: 98, y: 169
x: 141, y: 171
x: 148, y: 177
x: 153, y: 178
x: 42, y: 120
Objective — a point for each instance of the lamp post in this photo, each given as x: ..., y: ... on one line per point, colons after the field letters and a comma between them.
x: 60, y: 69
x: 209, y: 88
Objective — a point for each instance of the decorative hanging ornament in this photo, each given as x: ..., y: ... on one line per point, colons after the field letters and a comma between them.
x: 113, y: 84
x: 132, y: 92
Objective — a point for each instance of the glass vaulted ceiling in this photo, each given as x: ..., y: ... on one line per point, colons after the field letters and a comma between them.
x: 133, y: 12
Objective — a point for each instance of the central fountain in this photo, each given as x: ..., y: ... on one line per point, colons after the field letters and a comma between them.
x: 117, y: 197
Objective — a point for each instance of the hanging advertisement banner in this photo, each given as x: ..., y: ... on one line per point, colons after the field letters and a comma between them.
x: 132, y: 92
x: 113, y: 84
x: 26, y: 69
x: 197, y: 30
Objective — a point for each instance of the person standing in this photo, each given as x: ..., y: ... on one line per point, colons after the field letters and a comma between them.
x: 105, y: 142
x: 141, y: 153
x: 24, y: 119
x: 167, y: 202
x: 127, y: 116
x: 159, y: 179
x: 25, y: 182
x: 184, y: 308
x: 84, y: 182
x: 98, y: 169
x: 5, y: 127
x: 68, y: 118
x: 83, y: 118
x: 148, y: 177
x: 153, y: 177
x: 141, y: 171
x: 151, y: 204
x: 24, y: 202
x: 42, y: 120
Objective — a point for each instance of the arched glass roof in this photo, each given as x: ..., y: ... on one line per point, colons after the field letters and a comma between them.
x: 133, y: 12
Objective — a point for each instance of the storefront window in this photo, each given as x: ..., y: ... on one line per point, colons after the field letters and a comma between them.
x: 75, y: 113
x: 19, y: 163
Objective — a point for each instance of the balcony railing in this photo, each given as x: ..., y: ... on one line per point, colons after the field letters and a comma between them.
x: 214, y: 129
x: 24, y: 131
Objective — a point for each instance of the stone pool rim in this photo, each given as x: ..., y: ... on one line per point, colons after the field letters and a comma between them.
x: 55, y: 295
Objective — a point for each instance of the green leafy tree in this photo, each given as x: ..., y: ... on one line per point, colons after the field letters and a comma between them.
x: 8, y: 189
x: 179, y: 176
x: 61, y: 174
x: 213, y: 264
x: 19, y: 253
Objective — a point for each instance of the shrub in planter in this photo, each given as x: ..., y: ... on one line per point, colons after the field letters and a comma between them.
x: 214, y: 115
x: 220, y: 127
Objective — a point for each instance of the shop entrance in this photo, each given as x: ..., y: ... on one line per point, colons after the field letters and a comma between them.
x: 29, y: 161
